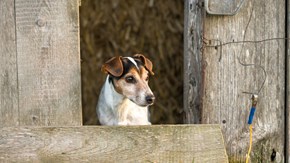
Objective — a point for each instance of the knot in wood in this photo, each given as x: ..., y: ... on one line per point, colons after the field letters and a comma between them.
x: 40, y: 22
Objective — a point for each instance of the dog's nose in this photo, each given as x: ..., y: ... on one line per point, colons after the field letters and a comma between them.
x: 150, y: 99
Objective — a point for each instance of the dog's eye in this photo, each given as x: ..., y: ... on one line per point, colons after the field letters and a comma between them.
x: 130, y: 79
x: 147, y: 78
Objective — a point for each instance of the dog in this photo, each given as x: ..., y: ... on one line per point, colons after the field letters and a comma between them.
x: 125, y: 96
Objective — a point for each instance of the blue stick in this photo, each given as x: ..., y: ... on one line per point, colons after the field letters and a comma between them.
x: 251, y: 116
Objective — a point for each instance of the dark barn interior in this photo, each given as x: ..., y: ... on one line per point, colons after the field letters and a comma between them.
x: 126, y: 27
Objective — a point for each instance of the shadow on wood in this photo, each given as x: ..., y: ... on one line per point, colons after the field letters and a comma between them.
x: 179, y: 143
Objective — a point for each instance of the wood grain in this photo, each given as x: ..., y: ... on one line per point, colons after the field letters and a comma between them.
x: 186, y: 143
x: 193, y: 32
x: 226, y: 79
x: 48, y: 62
x: 8, y: 66
x: 287, y: 111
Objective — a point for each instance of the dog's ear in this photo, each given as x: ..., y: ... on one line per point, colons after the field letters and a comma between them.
x: 147, y: 63
x: 114, y: 66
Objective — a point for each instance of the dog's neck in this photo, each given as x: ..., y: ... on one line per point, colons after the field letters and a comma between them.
x: 114, y: 99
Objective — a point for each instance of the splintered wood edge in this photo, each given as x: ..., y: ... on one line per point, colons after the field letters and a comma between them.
x: 166, y: 143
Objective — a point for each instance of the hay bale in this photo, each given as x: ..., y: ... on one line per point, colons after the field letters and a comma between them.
x: 125, y: 27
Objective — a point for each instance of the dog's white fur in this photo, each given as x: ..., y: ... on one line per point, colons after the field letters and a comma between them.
x: 115, y: 109
x: 133, y: 61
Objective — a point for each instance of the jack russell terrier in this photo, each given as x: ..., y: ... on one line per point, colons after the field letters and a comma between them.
x: 125, y: 96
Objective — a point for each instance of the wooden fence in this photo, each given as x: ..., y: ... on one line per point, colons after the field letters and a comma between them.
x: 40, y: 95
x: 40, y: 99
x: 227, y: 56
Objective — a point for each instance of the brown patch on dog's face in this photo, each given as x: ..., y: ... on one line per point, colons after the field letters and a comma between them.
x: 134, y: 86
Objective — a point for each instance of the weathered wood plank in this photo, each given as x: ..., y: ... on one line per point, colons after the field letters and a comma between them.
x: 193, y: 33
x: 8, y: 66
x: 226, y: 79
x: 195, y: 143
x: 48, y: 62
x: 287, y: 111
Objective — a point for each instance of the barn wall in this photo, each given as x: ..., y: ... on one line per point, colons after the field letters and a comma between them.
x: 193, y: 66
x: 226, y: 79
x: 40, y: 64
x: 287, y: 143
x: 8, y: 66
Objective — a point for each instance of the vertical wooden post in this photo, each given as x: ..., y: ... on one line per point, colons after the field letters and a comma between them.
x: 287, y: 108
x: 48, y: 59
x: 8, y: 67
x: 226, y: 79
x: 193, y: 33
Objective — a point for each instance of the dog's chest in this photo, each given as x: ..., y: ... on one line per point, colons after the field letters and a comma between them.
x: 132, y: 114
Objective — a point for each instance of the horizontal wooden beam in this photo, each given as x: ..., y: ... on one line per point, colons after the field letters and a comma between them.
x: 178, y: 143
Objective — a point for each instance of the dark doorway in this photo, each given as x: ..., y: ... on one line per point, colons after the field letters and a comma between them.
x: 126, y: 27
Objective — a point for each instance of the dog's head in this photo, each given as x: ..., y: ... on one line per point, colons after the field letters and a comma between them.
x: 130, y: 77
